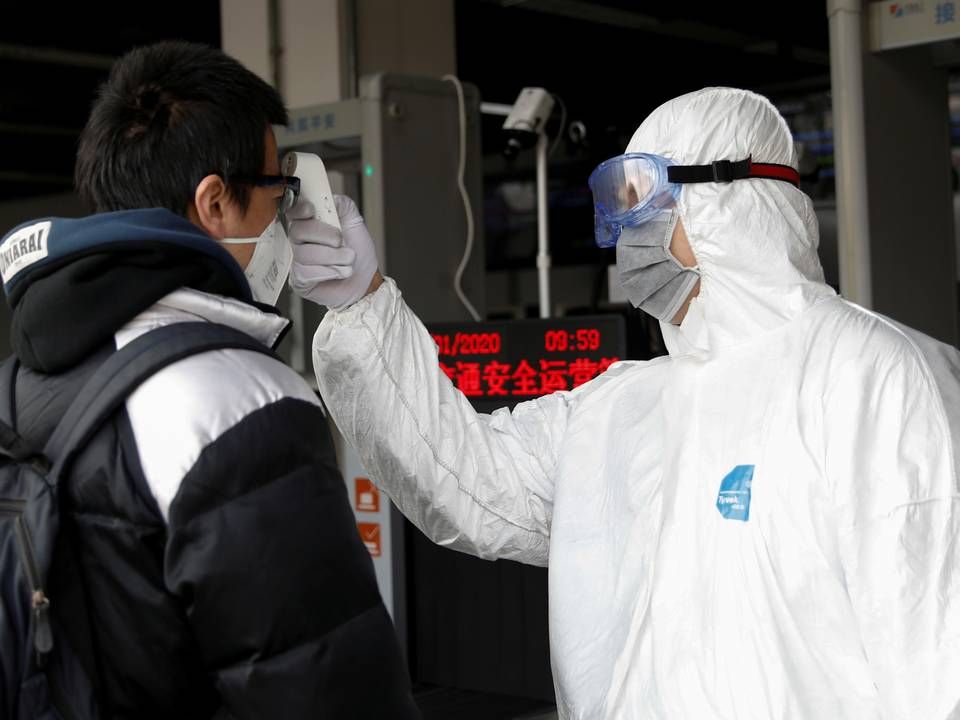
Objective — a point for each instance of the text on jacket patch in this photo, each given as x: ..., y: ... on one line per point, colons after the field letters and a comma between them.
x: 23, y: 248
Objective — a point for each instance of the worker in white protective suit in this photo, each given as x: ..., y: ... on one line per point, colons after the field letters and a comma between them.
x: 765, y: 524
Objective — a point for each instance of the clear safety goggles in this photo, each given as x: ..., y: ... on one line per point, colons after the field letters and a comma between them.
x: 630, y: 189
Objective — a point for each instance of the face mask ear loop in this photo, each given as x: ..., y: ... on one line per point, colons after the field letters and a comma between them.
x: 671, y: 227
x: 668, y: 238
x: 239, y: 241
x: 253, y: 240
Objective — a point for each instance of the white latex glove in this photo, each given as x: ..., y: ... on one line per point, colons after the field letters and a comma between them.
x: 330, y: 267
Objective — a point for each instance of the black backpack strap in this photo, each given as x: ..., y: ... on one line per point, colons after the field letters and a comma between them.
x: 12, y: 445
x: 125, y: 370
x: 8, y: 380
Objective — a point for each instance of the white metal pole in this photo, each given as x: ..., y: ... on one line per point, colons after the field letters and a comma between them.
x: 850, y: 152
x: 543, y: 228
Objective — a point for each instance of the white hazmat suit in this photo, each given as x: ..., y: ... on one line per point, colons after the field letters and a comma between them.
x: 765, y: 524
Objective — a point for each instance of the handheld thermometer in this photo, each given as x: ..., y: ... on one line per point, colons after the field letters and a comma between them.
x: 314, y: 184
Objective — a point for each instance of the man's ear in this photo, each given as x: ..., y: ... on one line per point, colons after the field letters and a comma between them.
x: 210, y: 206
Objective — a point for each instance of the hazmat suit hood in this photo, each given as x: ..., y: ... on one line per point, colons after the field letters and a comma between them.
x: 755, y: 240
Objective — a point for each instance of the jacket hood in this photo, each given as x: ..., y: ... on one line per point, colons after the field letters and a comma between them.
x: 755, y: 240
x: 72, y: 283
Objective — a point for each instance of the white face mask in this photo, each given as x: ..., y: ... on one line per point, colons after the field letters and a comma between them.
x: 269, y: 267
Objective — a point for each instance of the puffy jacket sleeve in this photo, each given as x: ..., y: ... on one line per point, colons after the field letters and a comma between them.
x: 482, y: 484
x: 280, y: 594
x: 891, y: 444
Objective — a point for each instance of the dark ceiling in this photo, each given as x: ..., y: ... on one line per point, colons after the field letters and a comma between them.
x: 619, y: 57
x: 51, y: 61
x: 611, y: 61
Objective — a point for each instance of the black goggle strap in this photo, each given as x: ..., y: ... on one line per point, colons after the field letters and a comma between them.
x: 727, y: 171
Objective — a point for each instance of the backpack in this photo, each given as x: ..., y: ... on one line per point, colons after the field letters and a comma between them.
x: 40, y: 677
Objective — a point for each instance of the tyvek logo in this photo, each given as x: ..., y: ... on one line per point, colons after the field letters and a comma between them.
x: 23, y: 248
x: 899, y: 10
x: 733, y: 500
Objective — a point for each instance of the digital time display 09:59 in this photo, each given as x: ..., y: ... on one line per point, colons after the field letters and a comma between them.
x: 579, y: 340
x: 497, y: 363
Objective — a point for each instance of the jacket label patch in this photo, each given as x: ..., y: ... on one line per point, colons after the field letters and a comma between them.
x: 22, y: 249
x: 733, y: 500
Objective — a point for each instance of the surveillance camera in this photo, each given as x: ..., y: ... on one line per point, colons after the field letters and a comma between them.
x: 527, y: 119
x: 530, y: 112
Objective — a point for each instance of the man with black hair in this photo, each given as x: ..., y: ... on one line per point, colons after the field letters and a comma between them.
x: 208, y: 562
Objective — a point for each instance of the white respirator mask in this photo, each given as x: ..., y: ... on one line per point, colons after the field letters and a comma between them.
x: 270, y: 265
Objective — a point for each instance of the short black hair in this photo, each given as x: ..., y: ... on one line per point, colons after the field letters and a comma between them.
x: 168, y: 115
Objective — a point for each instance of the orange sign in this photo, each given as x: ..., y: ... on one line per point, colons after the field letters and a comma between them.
x: 367, y: 495
x: 370, y: 534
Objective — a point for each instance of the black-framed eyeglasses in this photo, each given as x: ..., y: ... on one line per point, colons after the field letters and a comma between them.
x: 289, y: 183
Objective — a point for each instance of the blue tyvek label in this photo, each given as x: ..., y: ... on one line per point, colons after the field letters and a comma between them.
x: 733, y: 500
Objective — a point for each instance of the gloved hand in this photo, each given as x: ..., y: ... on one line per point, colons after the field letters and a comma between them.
x: 330, y: 267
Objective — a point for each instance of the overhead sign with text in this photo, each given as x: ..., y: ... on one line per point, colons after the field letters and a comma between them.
x: 914, y: 22
x: 497, y: 364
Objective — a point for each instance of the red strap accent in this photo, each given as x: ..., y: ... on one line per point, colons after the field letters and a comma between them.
x: 771, y: 171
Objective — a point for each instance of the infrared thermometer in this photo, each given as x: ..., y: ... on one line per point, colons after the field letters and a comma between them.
x: 314, y: 184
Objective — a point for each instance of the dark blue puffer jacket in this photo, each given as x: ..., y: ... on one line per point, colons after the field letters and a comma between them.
x: 209, y: 563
